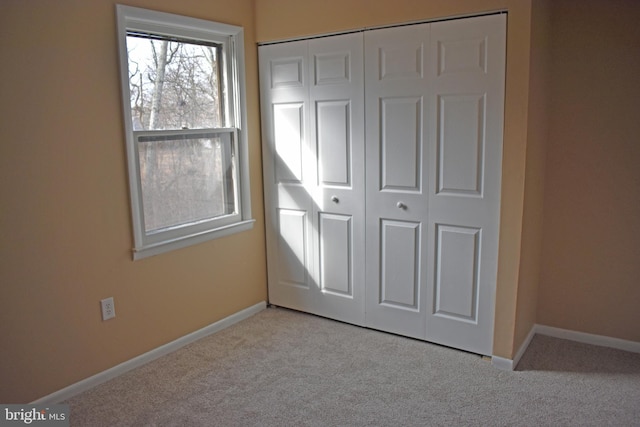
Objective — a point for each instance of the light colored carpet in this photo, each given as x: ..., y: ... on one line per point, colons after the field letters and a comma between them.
x: 284, y: 368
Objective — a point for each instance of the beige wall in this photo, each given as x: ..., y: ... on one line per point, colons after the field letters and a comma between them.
x: 539, y: 96
x: 282, y: 19
x: 65, y: 228
x: 591, y: 252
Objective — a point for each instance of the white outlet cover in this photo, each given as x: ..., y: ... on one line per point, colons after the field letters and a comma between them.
x: 108, y: 308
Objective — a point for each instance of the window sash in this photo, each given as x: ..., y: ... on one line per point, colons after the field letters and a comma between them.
x: 220, y: 95
x: 232, y: 190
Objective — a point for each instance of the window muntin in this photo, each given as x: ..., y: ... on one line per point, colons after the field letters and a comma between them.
x: 186, y: 138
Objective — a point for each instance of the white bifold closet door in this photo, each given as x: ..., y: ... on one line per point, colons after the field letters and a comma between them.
x: 434, y: 97
x: 313, y: 148
x: 390, y: 138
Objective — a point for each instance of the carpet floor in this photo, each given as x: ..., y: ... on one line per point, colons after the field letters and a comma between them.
x: 284, y: 368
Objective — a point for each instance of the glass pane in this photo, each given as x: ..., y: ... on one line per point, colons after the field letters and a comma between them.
x: 174, y: 84
x: 185, y: 179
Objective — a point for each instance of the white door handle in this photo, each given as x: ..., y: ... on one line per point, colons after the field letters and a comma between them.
x: 335, y: 199
x: 401, y: 205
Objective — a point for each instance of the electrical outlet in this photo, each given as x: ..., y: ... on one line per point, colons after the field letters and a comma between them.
x: 108, y: 308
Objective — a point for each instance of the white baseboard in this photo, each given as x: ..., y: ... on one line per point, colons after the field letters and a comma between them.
x: 511, y: 364
x: 147, y: 357
x: 550, y: 331
x: 583, y: 337
x: 502, y: 363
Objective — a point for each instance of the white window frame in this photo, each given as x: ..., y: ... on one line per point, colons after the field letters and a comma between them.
x: 232, y: 38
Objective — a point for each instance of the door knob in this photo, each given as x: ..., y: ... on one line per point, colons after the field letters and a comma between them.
x: 335, y: 199
x: 401, y: 205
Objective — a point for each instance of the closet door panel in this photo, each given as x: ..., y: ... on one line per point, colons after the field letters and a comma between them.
x: 288, y: 128
x: 313, y: 142
x: 288, y: 205
x: 456, y: 272
x: 400, y: 275
x: 460, y: 148
x: 396, y: 165
x: 336, y: 254
x: 333, y: 120
x: 465, y: 143
x: 400, y: 143
x: 292, y: 247
x: 337, y: 134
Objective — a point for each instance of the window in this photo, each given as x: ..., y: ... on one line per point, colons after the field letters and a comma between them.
x: 185, y: 123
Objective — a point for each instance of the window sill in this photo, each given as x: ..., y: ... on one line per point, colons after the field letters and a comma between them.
x: 193, y: 239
